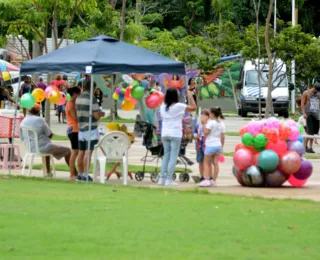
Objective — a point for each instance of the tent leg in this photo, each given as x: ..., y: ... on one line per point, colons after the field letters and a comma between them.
x: 90, y: 122
x: 14, y: 125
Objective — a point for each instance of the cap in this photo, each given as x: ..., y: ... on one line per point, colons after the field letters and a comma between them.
x: 36, y: 107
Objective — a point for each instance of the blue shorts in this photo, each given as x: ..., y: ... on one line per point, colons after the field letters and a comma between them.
x: 200, y: 156
x: 213, y: 150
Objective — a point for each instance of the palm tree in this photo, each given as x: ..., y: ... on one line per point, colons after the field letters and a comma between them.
x: 220, y: 6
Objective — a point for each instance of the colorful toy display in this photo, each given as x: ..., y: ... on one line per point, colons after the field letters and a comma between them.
x: 271, y: 154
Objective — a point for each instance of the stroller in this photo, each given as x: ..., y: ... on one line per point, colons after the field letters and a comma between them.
x: 155, y: 152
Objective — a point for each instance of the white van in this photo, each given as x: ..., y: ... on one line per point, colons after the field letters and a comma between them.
x: 249, y: 88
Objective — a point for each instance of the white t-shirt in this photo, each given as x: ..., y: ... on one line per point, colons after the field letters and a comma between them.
x: 302, y: 121
x: 172, y: 119
x: 217, y: 128
x: 40, y: 126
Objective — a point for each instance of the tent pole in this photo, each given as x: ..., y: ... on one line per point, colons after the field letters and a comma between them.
x: 90, y: 122
x: 14, y: 124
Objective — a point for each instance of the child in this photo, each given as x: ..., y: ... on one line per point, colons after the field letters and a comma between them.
x: 214, y: 131
x: 200, y: 140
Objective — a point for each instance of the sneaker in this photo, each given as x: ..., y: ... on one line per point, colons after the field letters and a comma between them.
x: 213, y: 183
x: 87, y: 179
x: 162, y: 181
x: 79, y: 178
x: 170, y: 183
x: 202, y: 179
x: 310, y: 150
x: 205, y: 184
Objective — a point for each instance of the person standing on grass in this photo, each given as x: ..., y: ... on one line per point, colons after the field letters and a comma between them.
x: 200, y: 140
x: 43, y: 86
x: 73, y: 128
x: 83, y: 114
x: 172, y: 113
x: 214, y: 131
x: 39, y: 125
x: 310, y: 106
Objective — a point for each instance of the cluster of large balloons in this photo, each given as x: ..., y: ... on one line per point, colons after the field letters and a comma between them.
x: 133, y: 90
x: 52, y: 93
x: 271, y: 154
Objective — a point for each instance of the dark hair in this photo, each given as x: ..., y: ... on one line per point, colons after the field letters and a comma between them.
x: 217, y: 112
x: 171, y: 97
x: 87, y: 86
x: 73, y: 90
x: 176, y: 76
x: 189, y: 82
x: 205, y: 112
x: 298, y: 101
x: 65, y: 77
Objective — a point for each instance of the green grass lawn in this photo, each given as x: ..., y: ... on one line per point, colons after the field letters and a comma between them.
x: 119, y: 120
x: 48, y: 219
x: 131, y: 168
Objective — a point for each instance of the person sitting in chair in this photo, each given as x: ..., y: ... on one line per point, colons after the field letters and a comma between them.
x: 39, y: 125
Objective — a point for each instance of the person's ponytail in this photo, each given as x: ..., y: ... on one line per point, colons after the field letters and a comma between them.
x: 220, y: 113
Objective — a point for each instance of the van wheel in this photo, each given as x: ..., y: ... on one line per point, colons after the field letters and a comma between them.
x: 285, y: 114
x: 244, y: 113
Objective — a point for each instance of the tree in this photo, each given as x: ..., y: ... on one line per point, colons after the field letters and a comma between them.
x: 123, y: 19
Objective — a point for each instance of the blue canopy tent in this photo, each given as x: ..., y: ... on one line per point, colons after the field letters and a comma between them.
x: 101, y: 55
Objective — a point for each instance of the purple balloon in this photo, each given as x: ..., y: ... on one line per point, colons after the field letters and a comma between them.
x: 297, y: 147
x: 305, y: 170
x: 276, y: 178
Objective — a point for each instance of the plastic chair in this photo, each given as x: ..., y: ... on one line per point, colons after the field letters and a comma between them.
x: 114, y: 146
x: 5, y: 150
x: 30, y: 138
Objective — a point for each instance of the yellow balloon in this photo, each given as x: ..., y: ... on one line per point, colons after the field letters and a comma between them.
x: 6, y: 75
x: 127, y: 105
x: 54, y: 96
x: 112, y: 126
x: 38, y: 95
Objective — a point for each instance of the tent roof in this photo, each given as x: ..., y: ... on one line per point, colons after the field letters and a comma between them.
x: 106, y: 55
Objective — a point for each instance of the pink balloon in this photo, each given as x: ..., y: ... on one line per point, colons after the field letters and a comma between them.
x: 160, y: 94
x: 48, y: 90
x: 296, y: 182
x: 243, y: 158
x: 290, y: 123
x: 63, y: 99
x: 222, y: 159
x: 272, y: 123
x: 280, y: 147
x: 295, y: 133
x: 152, y: 101
x: 254, y: 128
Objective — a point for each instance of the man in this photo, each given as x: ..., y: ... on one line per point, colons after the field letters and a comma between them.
x: 83, y: 107
x: 310, y: 106
x: 35, y: 122
x: 43, y: 86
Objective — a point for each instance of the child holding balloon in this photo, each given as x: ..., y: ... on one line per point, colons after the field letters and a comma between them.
x: 214, y: 130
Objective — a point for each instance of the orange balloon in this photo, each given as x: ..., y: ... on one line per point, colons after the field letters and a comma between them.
x: 243, y: 130
x: 127, y: 105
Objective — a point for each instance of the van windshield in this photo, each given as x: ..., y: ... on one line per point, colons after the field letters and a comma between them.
x: 279, y: 79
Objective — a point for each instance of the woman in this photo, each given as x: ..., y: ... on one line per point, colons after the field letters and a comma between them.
x: 99, y: 96
x: 172, y: 112
x: 193, y: 88
x: 73, y: 129
x: 214, y: 130
x: 27, y: 87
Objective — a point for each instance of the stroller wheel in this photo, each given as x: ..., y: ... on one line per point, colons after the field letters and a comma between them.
x: 181, y: 177
x: 186, y: 177
x: 154, y: 177
x: 139, y: 176
x: 174, y: 176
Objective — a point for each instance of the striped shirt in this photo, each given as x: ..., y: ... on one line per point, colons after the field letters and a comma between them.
x: 83, y: 107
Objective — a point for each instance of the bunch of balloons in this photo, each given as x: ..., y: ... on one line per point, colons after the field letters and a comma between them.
x: 124, y: 96
x: 271, y: 154
x: 154, y: 99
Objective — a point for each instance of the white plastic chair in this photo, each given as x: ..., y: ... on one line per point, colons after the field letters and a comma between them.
x: 30, y: 138
x: 114, y: 146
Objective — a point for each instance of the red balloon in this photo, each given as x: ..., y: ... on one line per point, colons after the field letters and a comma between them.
x: 243, y: 130
x: 255, y: 159
x: 175, y: 84
x: 243, y: 158
x: 239, y: 178
x: 296, y: 182
x: 284, y: 132
x: 290, y: 162
x: 272, y: 134
x: 127, y: 93
x: 280, y: 147
x: 239, y: 146
x: 152, y: 101
x: 160, y: 94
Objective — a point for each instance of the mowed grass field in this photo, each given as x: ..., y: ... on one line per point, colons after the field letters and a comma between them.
x: 50, y: 219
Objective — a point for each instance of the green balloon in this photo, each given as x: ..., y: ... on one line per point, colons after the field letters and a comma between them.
x: 301, y: 129
x: 124, y: 84
x: 268, y: 161
x: 135, y: 83
x: 27, y: 101
x: 68, y: 97
x: 247, y: 139
x: 137, y: 92
x: 260, y: 142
